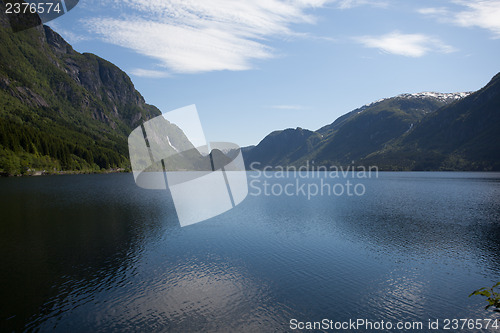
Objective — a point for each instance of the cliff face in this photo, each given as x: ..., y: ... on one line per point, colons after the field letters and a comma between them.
x: 75, y: 109
x: 103, y: 80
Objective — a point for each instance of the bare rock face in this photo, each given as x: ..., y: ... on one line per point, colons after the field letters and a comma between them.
x: 101, y: 79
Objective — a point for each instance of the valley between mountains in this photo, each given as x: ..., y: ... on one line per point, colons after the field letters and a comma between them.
x: 64, y: 111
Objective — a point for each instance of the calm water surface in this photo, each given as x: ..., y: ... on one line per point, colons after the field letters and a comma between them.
x: 96, y: 253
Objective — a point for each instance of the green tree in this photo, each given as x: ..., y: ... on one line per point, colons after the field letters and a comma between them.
x: 10, y: 163
x: 493, y: 297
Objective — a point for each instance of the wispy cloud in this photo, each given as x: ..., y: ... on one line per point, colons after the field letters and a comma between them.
x: 69, y: 36
x: 409, y: 45
x: 346, y: 4
x: 191, y: 36
x: 475, y: 13
x: 440, y: 12
x: 148, y: 73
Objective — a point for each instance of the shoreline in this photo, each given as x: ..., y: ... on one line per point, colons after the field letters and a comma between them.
x: 112, y: 171
x: 62, y: 173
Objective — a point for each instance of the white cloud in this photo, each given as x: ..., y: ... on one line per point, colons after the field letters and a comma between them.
x: 191, y: 36
x: 69, y: 36
x: 477, y: 13
x: 437, y: 12
x: 345, y: 4
x: 148, y: 73
x: 409, y: 45
x: 183, y: 49
x: 483, y: 14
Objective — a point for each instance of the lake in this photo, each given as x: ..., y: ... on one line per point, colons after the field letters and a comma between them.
x: 87, y: 253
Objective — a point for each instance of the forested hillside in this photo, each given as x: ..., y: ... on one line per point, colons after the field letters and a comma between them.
x: 62, y: 110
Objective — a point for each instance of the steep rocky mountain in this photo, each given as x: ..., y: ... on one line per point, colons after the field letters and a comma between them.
x: 352, y: 137
x: 60, y: 109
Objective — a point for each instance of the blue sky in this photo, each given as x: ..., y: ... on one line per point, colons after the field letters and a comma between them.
x: 255, y: 66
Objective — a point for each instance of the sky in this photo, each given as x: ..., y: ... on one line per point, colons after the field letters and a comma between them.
x: 255, y: 66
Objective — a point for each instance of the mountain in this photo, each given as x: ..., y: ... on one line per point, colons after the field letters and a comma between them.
x: 373, y: 126
x: 354, y: 136
x: 63, y: 110
x: 60, y: 109
x: 282, y: 147
x: 464, y: 135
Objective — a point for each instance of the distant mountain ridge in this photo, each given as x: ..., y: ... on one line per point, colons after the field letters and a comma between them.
x: 398, y: 133
x: 444, y: 97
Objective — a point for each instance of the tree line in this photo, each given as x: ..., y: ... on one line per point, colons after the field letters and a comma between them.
x: 24, y: 147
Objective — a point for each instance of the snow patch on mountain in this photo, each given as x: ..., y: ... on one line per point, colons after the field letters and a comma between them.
x: 444, y: 97
x: 171, y: 145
